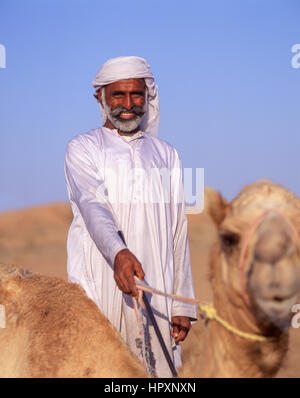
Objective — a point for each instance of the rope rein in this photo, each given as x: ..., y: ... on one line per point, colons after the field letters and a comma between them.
x: 138, y: 306
x: 206, y: 309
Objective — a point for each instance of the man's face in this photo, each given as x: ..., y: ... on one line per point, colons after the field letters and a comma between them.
x: 124, y: 103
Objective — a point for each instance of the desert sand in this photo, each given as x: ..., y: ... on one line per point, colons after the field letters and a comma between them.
x: 35, y: 239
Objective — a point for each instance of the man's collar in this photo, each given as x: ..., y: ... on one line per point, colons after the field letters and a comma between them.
x: 136, y: 135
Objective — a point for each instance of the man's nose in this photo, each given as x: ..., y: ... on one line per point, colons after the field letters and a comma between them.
x: 128, y: 104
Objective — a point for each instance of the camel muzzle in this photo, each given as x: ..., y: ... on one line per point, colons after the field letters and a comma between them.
x: 274, y: 274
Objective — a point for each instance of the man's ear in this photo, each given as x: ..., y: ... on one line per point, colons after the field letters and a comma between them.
x: 98, y: 96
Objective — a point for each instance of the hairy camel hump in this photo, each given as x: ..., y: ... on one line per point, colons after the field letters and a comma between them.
x: 54, y: 330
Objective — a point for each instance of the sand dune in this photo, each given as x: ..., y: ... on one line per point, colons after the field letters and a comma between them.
x: 35, y: 238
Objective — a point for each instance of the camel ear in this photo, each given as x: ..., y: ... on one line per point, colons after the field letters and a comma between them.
x: 215, y: 205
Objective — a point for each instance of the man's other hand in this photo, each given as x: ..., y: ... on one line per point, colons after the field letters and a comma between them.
x: 180, y: 327
x: 125, y: 267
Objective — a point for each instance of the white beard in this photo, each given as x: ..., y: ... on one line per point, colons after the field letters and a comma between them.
x: 126, y: 126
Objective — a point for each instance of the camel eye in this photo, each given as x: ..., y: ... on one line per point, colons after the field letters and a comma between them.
x: 229, y: 240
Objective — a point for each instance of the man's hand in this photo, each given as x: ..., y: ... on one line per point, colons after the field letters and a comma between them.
x: 126, y: 266
x: 181, y: 326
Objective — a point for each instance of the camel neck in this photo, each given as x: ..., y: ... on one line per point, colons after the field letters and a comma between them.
x: 239, y: 356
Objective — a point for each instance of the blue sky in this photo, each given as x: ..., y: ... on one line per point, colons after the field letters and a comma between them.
x: 229, y: 95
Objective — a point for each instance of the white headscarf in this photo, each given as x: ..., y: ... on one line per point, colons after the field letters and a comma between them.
x: 132, y: 68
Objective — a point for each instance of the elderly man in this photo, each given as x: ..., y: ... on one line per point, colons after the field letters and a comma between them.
x: 108, y: 173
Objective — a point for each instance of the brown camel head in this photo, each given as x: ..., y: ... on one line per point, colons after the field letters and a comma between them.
x: 260, y: 252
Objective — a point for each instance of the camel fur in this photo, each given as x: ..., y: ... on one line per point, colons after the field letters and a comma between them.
x: 54, y: 330
x: 272, y: 284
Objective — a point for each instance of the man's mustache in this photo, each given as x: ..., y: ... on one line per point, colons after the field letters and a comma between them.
x: 135, y: 109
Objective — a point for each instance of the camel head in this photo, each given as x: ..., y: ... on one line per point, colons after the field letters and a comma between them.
x: 258, y: 256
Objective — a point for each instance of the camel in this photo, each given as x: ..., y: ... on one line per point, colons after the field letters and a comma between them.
x: 255, y: 295
x: 54, y: 330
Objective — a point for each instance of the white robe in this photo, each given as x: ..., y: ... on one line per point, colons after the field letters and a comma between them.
x: 156, y: 233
